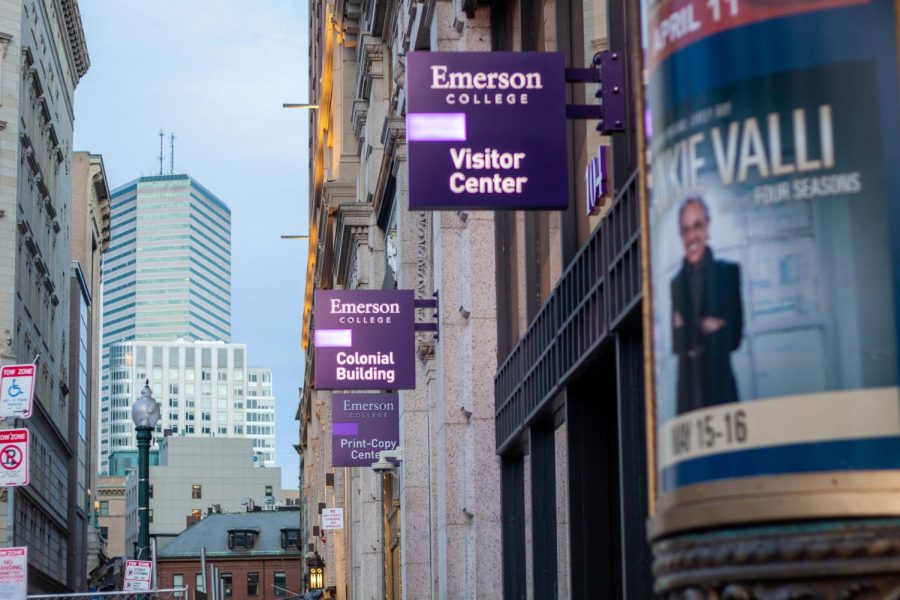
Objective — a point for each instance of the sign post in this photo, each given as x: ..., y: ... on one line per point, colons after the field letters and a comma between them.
x: 362, y: 426
x: 13, y: 573
x: 364, y: 339
x: 487, y: 130
x: 138, y: 574
x: 16, y: 390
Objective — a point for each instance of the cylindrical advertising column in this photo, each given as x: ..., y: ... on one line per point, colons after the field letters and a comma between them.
x: 773, y: 137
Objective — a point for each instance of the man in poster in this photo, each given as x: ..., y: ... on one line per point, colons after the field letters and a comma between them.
x: 707, y: 315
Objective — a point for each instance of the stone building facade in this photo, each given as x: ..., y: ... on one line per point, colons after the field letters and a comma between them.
x: 89, y: 238
x: 430, y: 529
x: 42, y: 58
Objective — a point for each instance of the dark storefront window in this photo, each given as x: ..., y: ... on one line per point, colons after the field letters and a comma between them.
x: 227, y: 584
x: 253, y: 584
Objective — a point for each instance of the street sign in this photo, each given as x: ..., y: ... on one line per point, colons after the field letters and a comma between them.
x: 13, y: 457
x: 364, y: 339
x: 137, y: 575
x: 13, y: 573
x: 332, y: 518
x: 16, y: 390
x: 362, y: 425
x: 487, y: 130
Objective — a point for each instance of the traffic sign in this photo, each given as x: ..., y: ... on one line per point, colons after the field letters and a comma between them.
x: 16, y: 390
x: 137, y: 575
x: 13, y: 573
x: 13, y: 457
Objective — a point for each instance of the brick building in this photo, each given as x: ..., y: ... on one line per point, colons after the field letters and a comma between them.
x: 256, y: 553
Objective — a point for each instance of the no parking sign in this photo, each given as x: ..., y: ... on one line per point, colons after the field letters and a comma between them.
x: 13, y: 457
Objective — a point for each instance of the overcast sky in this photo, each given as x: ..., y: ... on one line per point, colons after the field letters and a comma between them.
x: 215, y: 72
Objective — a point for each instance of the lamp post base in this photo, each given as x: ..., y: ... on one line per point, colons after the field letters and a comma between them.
x: 858, y: 559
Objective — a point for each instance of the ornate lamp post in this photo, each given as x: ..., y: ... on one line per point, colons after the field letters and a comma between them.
x: 145, y: 414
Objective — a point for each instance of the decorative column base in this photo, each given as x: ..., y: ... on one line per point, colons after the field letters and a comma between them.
x: 849, y: 559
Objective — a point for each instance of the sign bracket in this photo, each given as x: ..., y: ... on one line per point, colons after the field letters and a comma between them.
x: 608, y: 69
x: 434, y: 303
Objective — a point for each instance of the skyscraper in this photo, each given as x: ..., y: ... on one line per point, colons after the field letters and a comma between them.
x: 168, y: 270
x: 167, y: 273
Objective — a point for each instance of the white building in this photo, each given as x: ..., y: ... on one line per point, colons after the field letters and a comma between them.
x: 43, y: 56
x: 205, y: 389
x: 196, y: 477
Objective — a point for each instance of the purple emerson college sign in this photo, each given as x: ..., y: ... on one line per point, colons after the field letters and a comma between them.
x: 487, y: 130
x: 364, y: 340
x: 362, y: 426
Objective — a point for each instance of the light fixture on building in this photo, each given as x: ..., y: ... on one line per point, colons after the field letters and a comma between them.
x: 316, y: 572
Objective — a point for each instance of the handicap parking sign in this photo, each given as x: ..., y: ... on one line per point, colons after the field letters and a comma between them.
x: 16, y: 391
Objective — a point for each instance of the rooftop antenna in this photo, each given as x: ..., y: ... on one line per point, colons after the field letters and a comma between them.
x: 172, y: 154
x: 161, y: 136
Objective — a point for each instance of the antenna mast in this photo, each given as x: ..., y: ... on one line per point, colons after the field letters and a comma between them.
x: 172, y: 154
x: 161, y: 136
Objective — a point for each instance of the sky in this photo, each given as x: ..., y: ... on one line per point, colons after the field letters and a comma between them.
x: 215, y: 73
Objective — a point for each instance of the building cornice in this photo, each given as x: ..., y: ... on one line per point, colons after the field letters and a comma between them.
x: 77, y: 47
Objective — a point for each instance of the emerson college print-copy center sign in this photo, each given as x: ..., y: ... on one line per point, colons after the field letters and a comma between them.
x: 487, y: 130
x: 364, y: 339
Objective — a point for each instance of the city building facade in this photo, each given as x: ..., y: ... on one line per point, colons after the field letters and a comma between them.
x: 256, y: 554
x: 432, y: 528
x: 167, y: 274
x: 89, y: 239
x: 111, y: 513
x: 205, y: 389
x: 43, y: 56
x: 197, y: 477
x: 542, y: 396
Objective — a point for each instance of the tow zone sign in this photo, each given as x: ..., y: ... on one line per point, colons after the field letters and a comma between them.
x: 137, y: 575
x: 13, y: 457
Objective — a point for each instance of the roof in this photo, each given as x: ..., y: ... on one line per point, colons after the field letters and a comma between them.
x: 212, y: 533
x: 179, y: 177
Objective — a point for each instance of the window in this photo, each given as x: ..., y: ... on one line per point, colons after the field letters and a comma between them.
x: 104, y: 532
x: 104, y: 508
x: 226, y: 584
x: 280, y: 582
x: 150, y: 489
x: 178, y: 582
x: 173, y: 388
x: 173, y: 402
x: 268, y: 490
x: 241, y: 539
x: 196, y: 491
x: 253, y: 584
x: 198, y: 582
x: 149, y: 515
x: 239, y: 429
x: 290, y: 538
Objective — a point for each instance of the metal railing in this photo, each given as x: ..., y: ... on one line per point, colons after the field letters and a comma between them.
x: 598, y: 289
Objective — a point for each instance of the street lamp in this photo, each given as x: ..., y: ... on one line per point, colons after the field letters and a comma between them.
x: 145, y: 414
x: 316, y: 572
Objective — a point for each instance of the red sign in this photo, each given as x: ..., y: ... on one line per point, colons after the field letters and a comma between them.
x: 13, y: 457
x: 674, y: 24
